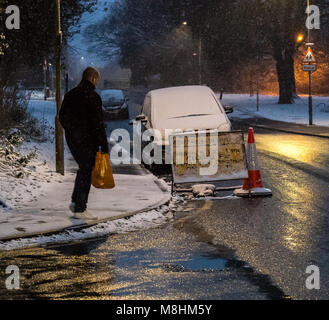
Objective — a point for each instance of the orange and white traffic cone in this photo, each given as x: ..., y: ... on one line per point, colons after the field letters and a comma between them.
x: 253, y: 186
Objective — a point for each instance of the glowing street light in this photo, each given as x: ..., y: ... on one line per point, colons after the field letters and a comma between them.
x: 300, y: 38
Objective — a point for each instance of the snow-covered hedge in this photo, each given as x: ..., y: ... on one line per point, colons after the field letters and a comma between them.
x: 12, y: 163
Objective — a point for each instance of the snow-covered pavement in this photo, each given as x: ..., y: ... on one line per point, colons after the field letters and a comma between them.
x: 246, y: 107
x: 50, y: 213
x: 37, y: 202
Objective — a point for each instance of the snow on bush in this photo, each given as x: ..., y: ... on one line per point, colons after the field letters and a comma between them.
x: 12, y: 162
x: 25, y: 166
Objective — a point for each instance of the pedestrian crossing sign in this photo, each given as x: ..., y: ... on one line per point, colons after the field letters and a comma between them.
x: 309, y: 58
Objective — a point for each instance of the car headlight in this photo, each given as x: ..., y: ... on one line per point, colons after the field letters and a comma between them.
x: 226, y: 127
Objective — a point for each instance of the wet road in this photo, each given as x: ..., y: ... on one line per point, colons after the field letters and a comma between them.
x: 162, y: 263
x: 224, y: 249
x: 285, y: 234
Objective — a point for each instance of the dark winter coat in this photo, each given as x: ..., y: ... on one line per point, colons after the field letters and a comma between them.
x: 82, y: 118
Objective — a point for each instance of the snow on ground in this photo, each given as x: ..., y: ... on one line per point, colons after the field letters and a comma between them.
x: 246, y: 107
x: 43, y: 110
x: 141, y: 221
x: 37, y: 95
x: 19, y: 192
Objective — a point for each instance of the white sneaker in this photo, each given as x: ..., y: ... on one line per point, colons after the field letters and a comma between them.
x: 72, y: 207
x: 84, y: 216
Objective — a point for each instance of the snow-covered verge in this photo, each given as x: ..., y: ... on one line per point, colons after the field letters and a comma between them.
x: 246, y: 107
x: 26, y: 165
x: 24, y: 170
x: 141, y: 221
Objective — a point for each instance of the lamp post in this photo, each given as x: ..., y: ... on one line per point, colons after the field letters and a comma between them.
x: 51, y: 82
x: 45, y: 67
x: 309, y: 65
x: 310, y: 99
x: 199, y: 63
x: 59, y: 134
x: 199, y: 54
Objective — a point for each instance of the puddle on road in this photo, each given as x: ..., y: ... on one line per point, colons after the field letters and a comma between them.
x: 198, y: 263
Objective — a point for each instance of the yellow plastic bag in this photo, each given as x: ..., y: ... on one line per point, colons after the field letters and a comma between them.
x: 102, y: 175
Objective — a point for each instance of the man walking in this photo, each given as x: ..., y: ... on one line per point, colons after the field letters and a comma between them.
x: 82, y: 119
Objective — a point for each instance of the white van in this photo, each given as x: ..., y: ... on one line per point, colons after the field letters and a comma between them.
x: 188, y: 108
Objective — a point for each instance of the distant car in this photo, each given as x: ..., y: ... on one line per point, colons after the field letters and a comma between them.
x: 115, y: 104
x: 189, y: 108
x: 228, y: 109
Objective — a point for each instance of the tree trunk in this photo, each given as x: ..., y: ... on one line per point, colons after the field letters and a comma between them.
x: 286, y: 76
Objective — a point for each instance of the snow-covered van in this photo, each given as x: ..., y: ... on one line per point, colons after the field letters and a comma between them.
x: 188, y: 108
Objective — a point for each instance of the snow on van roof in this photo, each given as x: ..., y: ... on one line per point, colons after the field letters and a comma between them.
x: 186, y: 107
x: 179, y: 90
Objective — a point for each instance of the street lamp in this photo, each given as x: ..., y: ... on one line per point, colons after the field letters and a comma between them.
x: 300, y: 38
x: 45, y: 78
x: 184, y: 23
x: 51, y: 85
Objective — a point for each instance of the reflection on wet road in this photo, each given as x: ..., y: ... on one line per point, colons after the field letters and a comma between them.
x: 225, y: 249
x: 282, y: 235
x: 164, y: 263
x: 309, y: 150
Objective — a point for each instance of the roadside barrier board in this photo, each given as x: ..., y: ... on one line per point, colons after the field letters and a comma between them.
x: 208, y: 156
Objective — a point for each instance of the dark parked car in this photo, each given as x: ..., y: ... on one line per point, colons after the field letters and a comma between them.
x: 115, y: 104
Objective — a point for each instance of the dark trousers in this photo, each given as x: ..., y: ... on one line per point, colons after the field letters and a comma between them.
x: 85, y: 158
